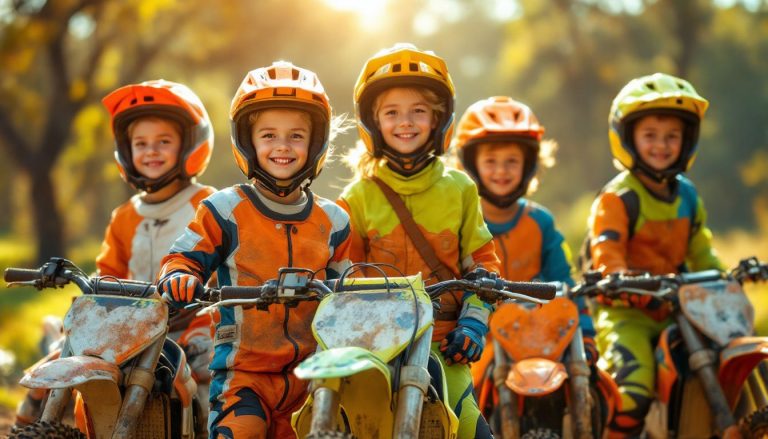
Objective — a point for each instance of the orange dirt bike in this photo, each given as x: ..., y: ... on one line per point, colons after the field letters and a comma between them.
x: 369, y: 377
x: 711, y: 375
x: 130, y: 380
x: 538, y: 384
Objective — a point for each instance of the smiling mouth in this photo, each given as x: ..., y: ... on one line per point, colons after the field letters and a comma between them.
x: 282, y: 160
x: 154, y: 164
x: 406, y: 136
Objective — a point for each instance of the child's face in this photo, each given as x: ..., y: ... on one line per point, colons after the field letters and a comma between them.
x: 658, y: 140
x: 155, y: 145
x: 281, y: 138
x: 500, y: 167
x: 405, y: 119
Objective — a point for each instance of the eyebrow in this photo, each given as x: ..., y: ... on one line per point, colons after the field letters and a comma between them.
x: 290, y: 129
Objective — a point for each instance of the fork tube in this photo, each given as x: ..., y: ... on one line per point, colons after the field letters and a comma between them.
x: 510, y: 423
x: 410, y: 399
x: 578, y: 376
x: 135, y: 393
x: 324, y: 408
x: 702, y: 361
x: 57, y: 398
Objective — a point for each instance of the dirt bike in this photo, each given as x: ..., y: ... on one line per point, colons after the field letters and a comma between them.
x: 128, y: 378
x: 370, y: 377
x: 710, y: 367
x: 538, y: 385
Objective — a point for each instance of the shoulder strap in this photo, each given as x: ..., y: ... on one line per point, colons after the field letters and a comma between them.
x: 412, y: 230
x: 632, y: 206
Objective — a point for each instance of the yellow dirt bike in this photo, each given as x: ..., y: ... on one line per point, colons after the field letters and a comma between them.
x: 130, y: 380
x: 711, y: 373
x: 371, y: 375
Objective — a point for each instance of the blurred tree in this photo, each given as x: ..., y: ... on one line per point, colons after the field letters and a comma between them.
x: 58, y: 57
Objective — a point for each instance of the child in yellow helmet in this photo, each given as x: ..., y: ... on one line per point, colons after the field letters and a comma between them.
x: 649, y: 218
x: 404, y: 100
x: 499, y: 143
x: 281, y: 132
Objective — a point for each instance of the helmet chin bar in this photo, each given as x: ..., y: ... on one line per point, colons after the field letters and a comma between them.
x: 152, y: 185
x: 268, y: 182
x: 409, y: 164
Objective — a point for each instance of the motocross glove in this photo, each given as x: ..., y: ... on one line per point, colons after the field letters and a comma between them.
x: 181, y: 287
x: 465, y: 343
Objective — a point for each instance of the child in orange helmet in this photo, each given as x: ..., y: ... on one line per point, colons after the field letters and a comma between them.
x: 649, y: 218
x: 499, y: 144
x: 163, y: 141
x: 404, y: 99
x: 281, y: 133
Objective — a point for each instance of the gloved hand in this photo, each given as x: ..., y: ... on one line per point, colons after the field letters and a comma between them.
x: 181, y: 288
x: 464, y: 344
x: 590, y: 350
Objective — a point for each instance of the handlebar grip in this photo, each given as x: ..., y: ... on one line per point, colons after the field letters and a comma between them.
x: 229, y: 292
x: 538, y: 290
x: 21, y: 275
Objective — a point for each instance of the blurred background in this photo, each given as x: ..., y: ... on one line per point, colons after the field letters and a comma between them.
x: 565, y: 58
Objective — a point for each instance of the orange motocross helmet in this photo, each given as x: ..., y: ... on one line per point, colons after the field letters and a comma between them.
x: 281, y: 85
x: 403, y: 65
x: 166, y: 99
x: 499, y: 119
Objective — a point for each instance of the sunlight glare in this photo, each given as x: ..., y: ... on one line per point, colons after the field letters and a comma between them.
x: 369, y: 12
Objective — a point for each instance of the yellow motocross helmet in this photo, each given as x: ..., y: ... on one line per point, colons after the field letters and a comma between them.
x: 281, y: 85
x: 655, y: 94
x: 403, y: 65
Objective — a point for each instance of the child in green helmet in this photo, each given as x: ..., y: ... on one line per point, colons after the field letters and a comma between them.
x: 649, y: 218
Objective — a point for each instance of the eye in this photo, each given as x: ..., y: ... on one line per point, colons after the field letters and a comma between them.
x: 298, y: 136
x: 390, y: 113
x: 267, y: 136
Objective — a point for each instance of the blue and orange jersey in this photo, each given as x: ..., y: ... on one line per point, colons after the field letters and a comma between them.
x: 140, y: 234
x: 245, y: 239
x: 630, y: 228
x: 531, y: 247
x: 445, y: 205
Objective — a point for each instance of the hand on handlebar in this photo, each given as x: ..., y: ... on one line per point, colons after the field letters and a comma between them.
x: 180, y: 288
x: 464, y: 343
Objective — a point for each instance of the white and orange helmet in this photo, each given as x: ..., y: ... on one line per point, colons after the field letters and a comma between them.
x: 166, y: 99
x: 281, y: 85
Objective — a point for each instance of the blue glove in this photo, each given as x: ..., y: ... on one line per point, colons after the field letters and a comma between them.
x: 180, y: 288
x: 465, y: 343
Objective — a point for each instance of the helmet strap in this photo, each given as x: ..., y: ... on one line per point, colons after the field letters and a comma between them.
x: 409, y: 164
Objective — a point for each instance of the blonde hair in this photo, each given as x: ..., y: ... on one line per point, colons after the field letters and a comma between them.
x: 359, y: 159
x: 132, y: 126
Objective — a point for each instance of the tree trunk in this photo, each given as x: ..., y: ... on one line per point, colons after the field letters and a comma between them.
x: 48, y: 221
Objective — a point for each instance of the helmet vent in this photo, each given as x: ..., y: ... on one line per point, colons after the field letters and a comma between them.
x: 295, y: 74
x: 414, y: 67
x: 149, y: 99
x: 679, y: 101
x: 651, y: 85
x: 396, y: 68
x: 680, y: 86
x: 134, y: 101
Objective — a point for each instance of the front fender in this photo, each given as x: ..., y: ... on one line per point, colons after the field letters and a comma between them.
x: 737, y: 361
x: 70, y: 372
x: 339, y: 362
x: 536, y: 377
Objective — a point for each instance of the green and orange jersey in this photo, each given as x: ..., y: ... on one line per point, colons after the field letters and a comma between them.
x: 631, y: 229
x: 445, y: 205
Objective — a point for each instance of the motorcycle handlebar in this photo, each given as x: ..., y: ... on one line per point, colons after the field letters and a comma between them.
x: 21, y: 275
x: 538, y: 290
